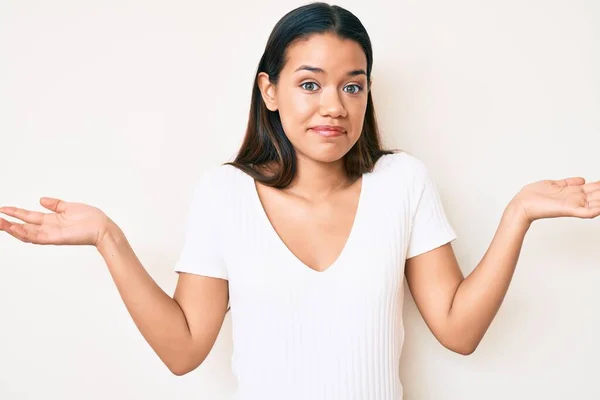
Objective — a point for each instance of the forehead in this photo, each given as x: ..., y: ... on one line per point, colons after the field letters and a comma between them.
x: 326, y: 51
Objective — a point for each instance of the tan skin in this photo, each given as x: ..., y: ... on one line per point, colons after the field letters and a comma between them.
x: 319, y: 211
x: 314, y: 215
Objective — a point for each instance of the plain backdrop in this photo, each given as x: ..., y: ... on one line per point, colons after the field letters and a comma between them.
x: 123, y: 104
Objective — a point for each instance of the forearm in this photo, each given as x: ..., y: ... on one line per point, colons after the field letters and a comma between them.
x: 157, y: 316
x: 480, y: 295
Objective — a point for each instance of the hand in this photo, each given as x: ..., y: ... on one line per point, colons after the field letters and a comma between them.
x: 70, y: 224
x: 570, y: 197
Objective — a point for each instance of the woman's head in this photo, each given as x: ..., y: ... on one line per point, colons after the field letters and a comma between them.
x: 315, y: 72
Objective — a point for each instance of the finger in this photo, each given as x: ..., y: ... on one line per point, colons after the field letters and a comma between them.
x: 591, y: 210
x: 591, y: 187
x: 53, y: 204
x: 30, y: 233
x: 5, y: 226
x: 573, y: 181
x: 8, y: 228
x: 592, y: 196
x: 18, y: 232
x: 31, y: 217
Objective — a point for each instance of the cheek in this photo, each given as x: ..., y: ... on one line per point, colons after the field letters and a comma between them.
x: 356, y: 114
x: 297, y: 108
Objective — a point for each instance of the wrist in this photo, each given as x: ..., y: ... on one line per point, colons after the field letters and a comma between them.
x: 109, y: 237
x: 516, y: 214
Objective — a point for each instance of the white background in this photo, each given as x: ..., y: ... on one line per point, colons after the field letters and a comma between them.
x: 122, y: 104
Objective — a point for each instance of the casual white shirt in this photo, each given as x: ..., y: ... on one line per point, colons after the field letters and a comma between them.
x: 308, y: 335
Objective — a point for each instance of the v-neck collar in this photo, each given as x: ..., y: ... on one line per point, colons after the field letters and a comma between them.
x: 274, y: 236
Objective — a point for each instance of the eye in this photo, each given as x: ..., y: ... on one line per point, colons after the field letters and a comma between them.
x: 357, y: 88
x: 311, y: 86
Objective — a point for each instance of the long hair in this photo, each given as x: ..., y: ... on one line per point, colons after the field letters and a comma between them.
x: 265, y: 140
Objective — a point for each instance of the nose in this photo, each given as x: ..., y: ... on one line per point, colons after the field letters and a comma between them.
x: 331, y: 104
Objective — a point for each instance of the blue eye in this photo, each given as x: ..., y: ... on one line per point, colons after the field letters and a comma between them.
x: 308, y: 83
x: 358, y: 88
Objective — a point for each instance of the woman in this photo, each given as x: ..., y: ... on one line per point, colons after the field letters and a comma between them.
x: 308, y: 234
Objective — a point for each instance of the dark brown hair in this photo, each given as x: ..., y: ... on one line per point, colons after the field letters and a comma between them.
x: 265, y: 141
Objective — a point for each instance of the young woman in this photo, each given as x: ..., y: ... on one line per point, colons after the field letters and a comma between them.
x: 308, y: 234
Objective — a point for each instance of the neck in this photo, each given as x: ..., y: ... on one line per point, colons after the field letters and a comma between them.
x: 316, y: 180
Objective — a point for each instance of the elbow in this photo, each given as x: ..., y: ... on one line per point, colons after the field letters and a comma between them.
x: 464, y: 350
x: 459, y: 340
x: 178, y: 371
x: 462, y: 347
x: 183, y: 359
x: 181, y: 366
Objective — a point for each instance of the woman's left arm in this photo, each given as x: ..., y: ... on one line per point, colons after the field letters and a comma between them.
x: 459, y: 310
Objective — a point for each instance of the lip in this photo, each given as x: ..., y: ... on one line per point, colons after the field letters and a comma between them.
x: 328, y: 130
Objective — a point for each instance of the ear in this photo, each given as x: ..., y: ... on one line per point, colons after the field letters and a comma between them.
x: 267, y: 90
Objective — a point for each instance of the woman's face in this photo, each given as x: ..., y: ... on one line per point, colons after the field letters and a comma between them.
x: 321, y: 96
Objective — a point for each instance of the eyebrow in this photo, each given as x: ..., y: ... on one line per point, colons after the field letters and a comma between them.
x: 321, y: 71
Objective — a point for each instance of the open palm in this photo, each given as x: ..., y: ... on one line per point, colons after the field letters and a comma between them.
x: 571, y: 197
x: 68, y: 224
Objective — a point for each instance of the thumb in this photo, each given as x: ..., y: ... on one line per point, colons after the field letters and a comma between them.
x: 53, y: 204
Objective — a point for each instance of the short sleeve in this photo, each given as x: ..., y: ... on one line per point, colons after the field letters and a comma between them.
x: 430, y: 226
x: 201, y: 253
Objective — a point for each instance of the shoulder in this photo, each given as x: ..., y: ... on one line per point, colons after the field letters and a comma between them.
x: 221, y: 176
x: 218, y: 183
x: 401, y: 165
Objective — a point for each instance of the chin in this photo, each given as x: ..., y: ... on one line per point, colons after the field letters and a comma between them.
x: 329, y: 156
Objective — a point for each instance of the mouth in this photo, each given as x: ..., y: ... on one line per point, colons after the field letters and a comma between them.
x: 328, y: 130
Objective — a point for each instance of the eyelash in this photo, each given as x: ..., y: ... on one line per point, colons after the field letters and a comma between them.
x: 360, y: 88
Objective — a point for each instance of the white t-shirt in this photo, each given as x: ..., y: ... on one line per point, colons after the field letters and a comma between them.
x: 308, y: 335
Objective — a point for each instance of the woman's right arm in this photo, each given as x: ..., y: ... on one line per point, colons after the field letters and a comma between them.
x: 181, y: 330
